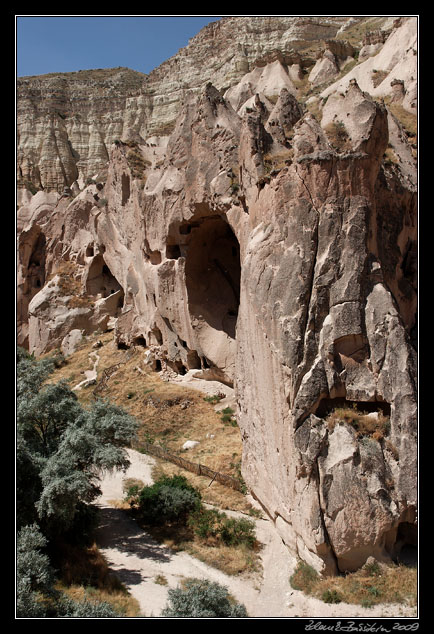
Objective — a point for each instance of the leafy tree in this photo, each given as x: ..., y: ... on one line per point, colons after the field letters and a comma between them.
x: 62, y: 449
x: 201, y: 598
x: 34, y: 574
x: 36, y: 595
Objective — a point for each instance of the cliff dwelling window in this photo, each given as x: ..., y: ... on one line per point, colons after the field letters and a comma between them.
x: 89, y: 251
x: 212, y: 273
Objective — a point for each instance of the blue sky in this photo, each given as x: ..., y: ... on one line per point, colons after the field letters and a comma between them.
x: 51, y: 44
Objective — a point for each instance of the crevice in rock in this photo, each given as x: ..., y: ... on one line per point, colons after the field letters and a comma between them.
x: 317, y: 475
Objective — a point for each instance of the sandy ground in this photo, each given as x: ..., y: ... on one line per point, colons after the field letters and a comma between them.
x: 138, y: 560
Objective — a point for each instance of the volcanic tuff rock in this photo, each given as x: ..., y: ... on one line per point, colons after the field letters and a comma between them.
x: 268, y: 247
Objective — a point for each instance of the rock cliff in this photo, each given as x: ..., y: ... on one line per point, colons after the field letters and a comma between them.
x: 268, y: 241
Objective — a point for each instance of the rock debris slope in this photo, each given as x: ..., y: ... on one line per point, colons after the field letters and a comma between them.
x: 260, y: 236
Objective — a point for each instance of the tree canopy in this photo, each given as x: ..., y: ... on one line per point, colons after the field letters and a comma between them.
x: 62, y: 450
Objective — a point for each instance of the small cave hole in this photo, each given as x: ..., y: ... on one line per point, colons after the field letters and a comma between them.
x: 157, y: 365
x: 155, y: 257
x: 121, y: 345
x: 90, y: 252
x: 173, y: 251
x: 156, y: 336
x: 139, y: 341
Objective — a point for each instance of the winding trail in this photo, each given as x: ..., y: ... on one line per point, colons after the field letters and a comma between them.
x: 138, y: 559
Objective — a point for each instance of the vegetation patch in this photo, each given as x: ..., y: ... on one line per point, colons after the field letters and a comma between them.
x: 62, y: 450
x: 373, y: 584
x: 337, y: 135
x: 172, y: 511
x: 378, y: 76
x: 375, y: 425
x: 200, y: 598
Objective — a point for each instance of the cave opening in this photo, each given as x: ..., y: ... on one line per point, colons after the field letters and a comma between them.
x: 36, y: 266
x: 100, y: 280
x: 140, y: 341
x: 406, y: 544
x: 327, y: 405
x: 212, y: 273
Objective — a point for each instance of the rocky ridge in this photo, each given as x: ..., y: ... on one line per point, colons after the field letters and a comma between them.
x: 268, y: 241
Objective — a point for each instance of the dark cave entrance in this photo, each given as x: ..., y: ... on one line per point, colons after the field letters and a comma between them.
x: 100, y: 280
x: 406, y: 544
x: 327, y: 405
x: 36, y: 266
x: 212, y: 273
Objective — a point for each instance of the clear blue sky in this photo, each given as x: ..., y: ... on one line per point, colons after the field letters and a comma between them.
x: 52, y: 44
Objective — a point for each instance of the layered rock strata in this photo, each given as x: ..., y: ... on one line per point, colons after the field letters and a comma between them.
x: 274, y: 251
x: 67, y: 122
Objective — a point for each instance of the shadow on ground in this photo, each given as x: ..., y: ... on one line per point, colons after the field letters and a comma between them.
x: 127, y: 536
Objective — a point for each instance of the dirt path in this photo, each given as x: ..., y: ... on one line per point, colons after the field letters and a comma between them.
x: 138, y: 560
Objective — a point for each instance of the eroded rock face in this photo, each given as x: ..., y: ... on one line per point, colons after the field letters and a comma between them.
x: 256, y: 247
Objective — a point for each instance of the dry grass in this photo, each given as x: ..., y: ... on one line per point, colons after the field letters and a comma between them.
x: 337, y: 135
x: 369, y: 586
x: 279, y: 160
x: 169, y: 414
x: 84, y: 574
x: 378, y: 76
x: 232, y: 560
x: 364, y: 423
x: 407, y: 119
x: 355, y: 33
x: 122, y: 602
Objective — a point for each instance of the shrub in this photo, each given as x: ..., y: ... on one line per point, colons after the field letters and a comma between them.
x: 68, y: 608
x: 238, y: 531
x: 202, y: 599
x: 215, y: 525
x: 169, y: 499
x: 205, y: 522
x: 331, y: 596
x: 304, y: 577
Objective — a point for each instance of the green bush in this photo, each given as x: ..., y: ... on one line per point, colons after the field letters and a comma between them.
x: 205, y: 522
x: 235, y: 532
x: 169, y: 499
x: 331, y: 596
x: 210, y: 523
x: 202, y: 599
